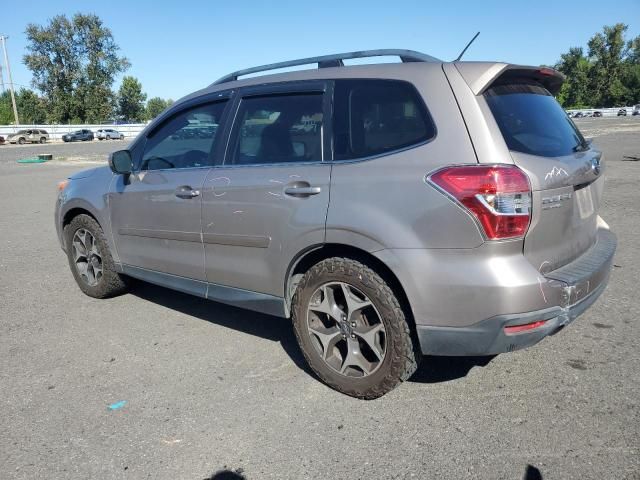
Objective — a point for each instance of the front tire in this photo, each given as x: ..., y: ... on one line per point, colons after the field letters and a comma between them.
x: 90, y: 260
x: 352, y: 330
x: 21, y: 141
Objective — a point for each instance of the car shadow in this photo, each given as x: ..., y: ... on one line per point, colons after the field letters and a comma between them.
x: 227, y: 475
x: 272, y: 328
x: 432, y: 369
x: 530, y: 473
x: 444, y: 369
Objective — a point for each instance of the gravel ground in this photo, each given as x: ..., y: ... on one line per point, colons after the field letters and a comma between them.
x: 209, y: 387
x: 63, y: 153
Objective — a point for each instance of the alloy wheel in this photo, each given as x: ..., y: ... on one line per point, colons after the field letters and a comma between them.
x: 87, y: 257
x: 346, y: 329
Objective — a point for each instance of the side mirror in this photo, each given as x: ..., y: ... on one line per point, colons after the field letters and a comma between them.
x: 120, y: 162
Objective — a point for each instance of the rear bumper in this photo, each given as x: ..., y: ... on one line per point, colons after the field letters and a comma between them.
x: 582, y: 281
x: 489, y: 338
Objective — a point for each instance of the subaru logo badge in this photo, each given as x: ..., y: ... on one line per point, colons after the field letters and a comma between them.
x: 595, y: 166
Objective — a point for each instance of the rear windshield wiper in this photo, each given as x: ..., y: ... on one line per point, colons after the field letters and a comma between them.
x: 581, y: 147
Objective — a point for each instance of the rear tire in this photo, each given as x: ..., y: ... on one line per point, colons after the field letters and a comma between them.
x: 43, y: 140
x: 90, y: 260
x: 371, y: 350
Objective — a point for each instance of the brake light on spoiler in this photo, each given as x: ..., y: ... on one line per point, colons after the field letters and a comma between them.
x: 498, y: 196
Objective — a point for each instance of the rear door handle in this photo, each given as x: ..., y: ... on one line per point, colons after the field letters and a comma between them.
x: 302, y: 191
x: 185, y: 191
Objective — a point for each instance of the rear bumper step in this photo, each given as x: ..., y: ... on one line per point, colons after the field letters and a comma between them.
x: 582, y: 281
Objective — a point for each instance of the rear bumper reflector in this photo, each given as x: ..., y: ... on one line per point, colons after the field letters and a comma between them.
x: 513, y: 329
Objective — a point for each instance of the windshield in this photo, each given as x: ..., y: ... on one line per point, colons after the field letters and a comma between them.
x: 532, y: 121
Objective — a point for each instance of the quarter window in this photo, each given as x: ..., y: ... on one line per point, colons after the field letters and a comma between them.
x: 279, y: 129
x: 373, y: 117
x: 186, y: 140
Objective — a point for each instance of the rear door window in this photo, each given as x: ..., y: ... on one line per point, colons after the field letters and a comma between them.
x: 374, y: 117
x: 532, y: 121
x: 279, y: 129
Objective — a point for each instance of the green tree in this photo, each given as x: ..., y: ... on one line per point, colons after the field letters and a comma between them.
x: 608, y: 76
x: 576, y: 67
x: 31, y: 108
x: 74, y: 63
x: 131, y: 100
x: 6, y: 114
x: 631, y: 71
x: 607, y: 51
x: 155, y: 106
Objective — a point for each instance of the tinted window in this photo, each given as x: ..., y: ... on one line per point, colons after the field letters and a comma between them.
x: 279, y: 129
x: 185, y: 140
x: 531, y: 121
x: 377, y: 116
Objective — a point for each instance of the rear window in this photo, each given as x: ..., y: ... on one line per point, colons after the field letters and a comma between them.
x: 532, y: 121
x: 373, y: 117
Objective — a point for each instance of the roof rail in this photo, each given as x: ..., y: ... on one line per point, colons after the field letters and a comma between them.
x: 335, y: 60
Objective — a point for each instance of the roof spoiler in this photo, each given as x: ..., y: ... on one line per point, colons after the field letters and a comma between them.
x: 482, y: 75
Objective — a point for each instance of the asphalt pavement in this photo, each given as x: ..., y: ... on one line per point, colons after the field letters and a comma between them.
x: 209, y: 387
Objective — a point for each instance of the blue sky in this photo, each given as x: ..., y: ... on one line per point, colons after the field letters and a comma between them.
x: 177, y: 47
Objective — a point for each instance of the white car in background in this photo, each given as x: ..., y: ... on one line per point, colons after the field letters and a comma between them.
x: 109, y: 134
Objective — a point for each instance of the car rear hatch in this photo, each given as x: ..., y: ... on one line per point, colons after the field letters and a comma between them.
x: 565, y: 171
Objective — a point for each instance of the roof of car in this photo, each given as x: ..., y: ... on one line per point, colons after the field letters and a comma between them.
x: 333, y: 60
x: 478, y: 75
x: 380, y: 70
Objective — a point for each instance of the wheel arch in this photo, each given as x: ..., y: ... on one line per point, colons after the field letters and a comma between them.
x: 73, y: 212
x: 309, y: 257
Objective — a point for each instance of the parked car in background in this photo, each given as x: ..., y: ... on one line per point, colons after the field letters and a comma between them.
x: 78, y: 136
x: 1, y: 139
x: 636, y: 110
x: 622, y: 112
x: 579, y: 115
x: 109, y: 134
x: 32, y: 135
x: 597, y: 114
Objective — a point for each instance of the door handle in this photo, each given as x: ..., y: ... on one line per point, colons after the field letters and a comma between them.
x: 303, y: 191
x: 186, y: 191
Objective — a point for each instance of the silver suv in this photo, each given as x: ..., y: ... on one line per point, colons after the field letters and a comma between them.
x: 388, y: 210
x: 109, y: 134
x: 32, y: 135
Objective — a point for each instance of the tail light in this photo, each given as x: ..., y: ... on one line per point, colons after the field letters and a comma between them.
x: 498, y: 196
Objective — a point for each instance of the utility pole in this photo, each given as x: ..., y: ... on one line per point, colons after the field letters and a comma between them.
x: 1, y: 80
x: 6, y: 62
